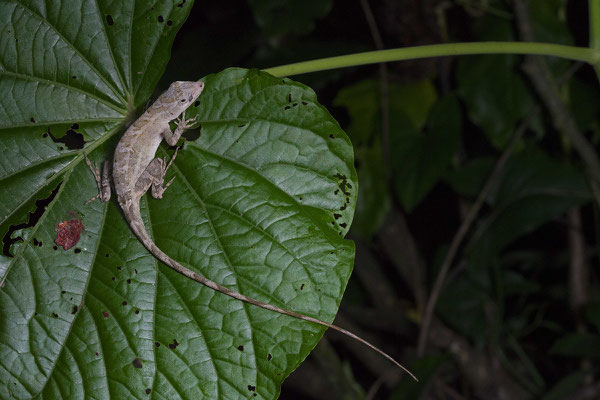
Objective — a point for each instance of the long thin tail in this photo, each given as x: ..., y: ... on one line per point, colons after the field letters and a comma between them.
x: 137, y: 226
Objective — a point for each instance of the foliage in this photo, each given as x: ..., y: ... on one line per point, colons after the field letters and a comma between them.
x: 259, y: 202
x: 262, y: 200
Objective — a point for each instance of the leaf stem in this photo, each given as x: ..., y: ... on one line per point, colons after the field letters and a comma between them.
x: 589, y: 55
x: 594, y: 24
x: 594, y: 10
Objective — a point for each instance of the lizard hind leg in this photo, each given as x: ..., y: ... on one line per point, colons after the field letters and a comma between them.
x: 102, y: 181
x: 153, y: 177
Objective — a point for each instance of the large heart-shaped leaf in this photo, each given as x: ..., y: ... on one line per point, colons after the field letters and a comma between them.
x: 261, y: 202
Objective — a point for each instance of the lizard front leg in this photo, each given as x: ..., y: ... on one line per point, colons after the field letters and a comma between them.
x: 182, y: 124
x: 103, y: 182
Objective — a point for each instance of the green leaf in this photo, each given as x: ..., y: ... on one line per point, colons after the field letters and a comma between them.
x: 468, y: 179
x: 252, y: 207
x: 495, y: 95
x: 374, y: 200
x: 362, y: 100
x: 533, y: 190
x: 288, y: 16
x: 566, y: 386
x: 425, y: 368
x: 420, y: 159
x: 577, y: 345
x: 410, y: 105
x: 592, y: 314
x: 548, y: 18
x: 584, y: 103
x: 462, y: 304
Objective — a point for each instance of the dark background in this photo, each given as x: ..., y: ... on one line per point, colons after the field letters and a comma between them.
x: 518, y: 315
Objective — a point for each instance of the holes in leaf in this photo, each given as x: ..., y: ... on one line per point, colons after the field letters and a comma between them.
x: 343, y: 183
x: 192, y: 134
x: 119, y: 267
x: 161, y: 19
x: 109, y: 20
x: 77, y: 250
x: 124, y: 303
x: 55, y: 315
x: 137, y: 311
x: 128, y: 281
x: 148, y: 391
x: 137, y: 363
x: 180, y: 5
x: 37, y: 243
x: 72, y: 139
x: 269, y: 357
x: 33, y: 218
x: 169, y: 22
x: 302, y: 287
x: 105, y: 314
x: 240, y: 348
x: 32, y: 120
x: 74, y: 310
x: 173, y: 345
x: 157, y: 344
x: 252, y: 388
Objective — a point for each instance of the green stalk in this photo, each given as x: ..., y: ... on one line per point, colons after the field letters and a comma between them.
x: 591, y: 56
x: 595, y: 24
x: 595, y: 29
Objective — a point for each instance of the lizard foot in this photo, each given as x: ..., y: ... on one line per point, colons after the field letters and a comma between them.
x: 184, y: 123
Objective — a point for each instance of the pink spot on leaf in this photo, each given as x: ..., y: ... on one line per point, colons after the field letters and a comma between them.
x: 68, y: 233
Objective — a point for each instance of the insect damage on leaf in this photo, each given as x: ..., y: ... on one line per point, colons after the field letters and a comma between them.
x: 68, y: 233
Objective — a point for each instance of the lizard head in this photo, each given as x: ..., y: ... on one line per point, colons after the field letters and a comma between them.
x: 178, y: 97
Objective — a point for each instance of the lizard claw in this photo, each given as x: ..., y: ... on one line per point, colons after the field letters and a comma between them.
x: 92, y: 199
x: 185, y: 123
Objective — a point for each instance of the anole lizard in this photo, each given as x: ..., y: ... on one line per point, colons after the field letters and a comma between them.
x: 135, y: 170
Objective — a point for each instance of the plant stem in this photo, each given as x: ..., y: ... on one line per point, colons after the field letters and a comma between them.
x: 594, y: 10
x: 594, y: 24
x: 591, y: 56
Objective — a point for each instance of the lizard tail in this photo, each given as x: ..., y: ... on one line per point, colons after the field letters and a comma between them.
x: 137, y: 226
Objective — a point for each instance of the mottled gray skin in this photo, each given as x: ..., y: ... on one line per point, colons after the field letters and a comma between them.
x: 135, y: 170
